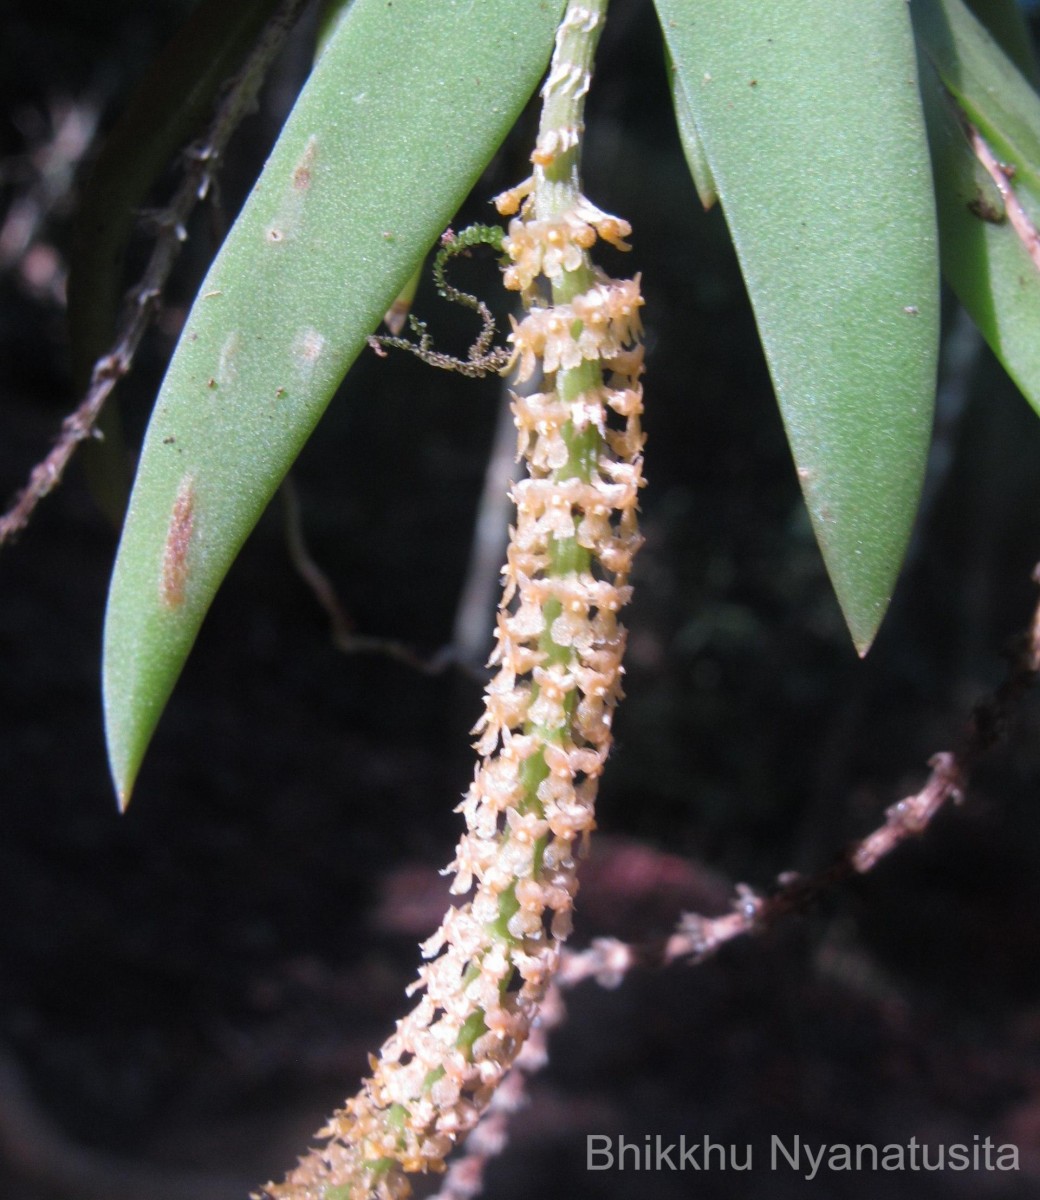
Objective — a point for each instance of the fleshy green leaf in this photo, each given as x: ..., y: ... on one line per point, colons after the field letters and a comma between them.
x: 971, y: 89
x: 810, y: 117
x: 403, y: 110
x: 693, y: 148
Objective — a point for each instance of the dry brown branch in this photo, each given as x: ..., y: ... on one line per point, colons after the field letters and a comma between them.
x: 341, y: 625
x: 474, y: 624
x: 1017, y: 216
x: 697, y: 937
x: 201, y: 162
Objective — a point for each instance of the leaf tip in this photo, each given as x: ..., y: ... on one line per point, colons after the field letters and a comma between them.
x: 862, y: 613
x: 123, y: 769
x: 130, y: 718
x: 862, y: 622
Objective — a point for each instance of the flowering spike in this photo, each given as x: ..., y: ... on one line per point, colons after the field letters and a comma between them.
x: 546, y: 728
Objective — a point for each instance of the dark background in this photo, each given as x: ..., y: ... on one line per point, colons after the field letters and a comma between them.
x: 186, y: 991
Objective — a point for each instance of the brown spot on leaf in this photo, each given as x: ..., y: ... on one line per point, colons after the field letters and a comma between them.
x: 307, y: 347
x: 302, y: 175
x: 174, y: 579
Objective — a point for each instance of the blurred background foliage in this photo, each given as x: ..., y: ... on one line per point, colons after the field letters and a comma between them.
x: 193, y: 986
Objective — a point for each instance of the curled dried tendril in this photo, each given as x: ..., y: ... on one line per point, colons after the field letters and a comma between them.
x: 484, y: 357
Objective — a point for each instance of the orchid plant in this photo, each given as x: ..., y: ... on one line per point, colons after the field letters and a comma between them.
x: 856, y: 151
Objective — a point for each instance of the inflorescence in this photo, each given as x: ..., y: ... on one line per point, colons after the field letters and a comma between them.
x: 546, y: 728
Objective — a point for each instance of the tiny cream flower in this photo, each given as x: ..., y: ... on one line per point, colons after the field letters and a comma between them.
x: 545, y: 733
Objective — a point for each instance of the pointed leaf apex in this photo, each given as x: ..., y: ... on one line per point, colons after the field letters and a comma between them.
x: 863, y: 644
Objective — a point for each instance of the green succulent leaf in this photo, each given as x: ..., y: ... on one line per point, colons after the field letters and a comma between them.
x: 811, y: 121
x: 980, y: 109
x: 403, y: 110
x: 693, y: 147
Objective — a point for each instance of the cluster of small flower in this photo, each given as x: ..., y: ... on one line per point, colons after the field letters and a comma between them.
x: 552, y: 245
x: 546, y: 729
x: 544, y: 735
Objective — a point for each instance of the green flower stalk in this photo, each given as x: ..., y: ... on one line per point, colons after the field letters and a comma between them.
x: 546, y: 729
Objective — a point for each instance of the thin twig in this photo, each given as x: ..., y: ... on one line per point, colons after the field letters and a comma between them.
x: 474, y: 623
x: 341, y: 625
x: 201, y: 161
x: 1017, y: 216
x: 697, y: 937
